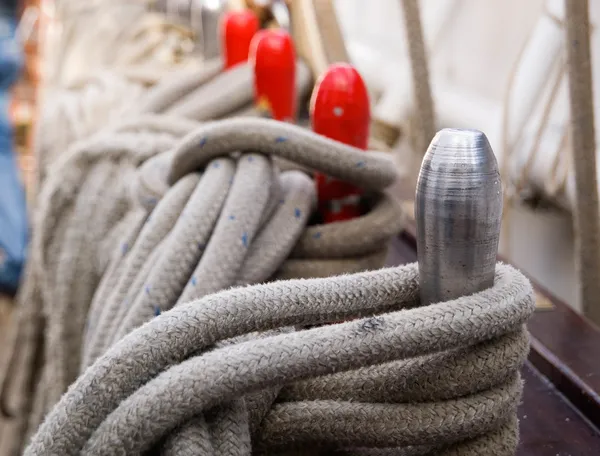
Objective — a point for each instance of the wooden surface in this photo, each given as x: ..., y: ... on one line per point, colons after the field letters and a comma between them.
x: 560, y: 413
x: 549, y: 424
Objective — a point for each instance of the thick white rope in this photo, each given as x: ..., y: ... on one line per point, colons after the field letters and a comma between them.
x: 394, y: 366
x: 243, y: 385
x: 142, y: 222
x: 97, y: 192
x: 459, y: 360
x: 107, y: 99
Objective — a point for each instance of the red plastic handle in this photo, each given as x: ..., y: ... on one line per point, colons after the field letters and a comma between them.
x: 273, y: 57
x: 340, y: 110
x: 237, y: 30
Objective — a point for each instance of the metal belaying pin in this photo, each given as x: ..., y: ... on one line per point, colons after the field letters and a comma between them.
x: 340, y: 110
x: 210, y: 14
x: 458, y: 212
x: 237, y: 30
x: 273, y: 59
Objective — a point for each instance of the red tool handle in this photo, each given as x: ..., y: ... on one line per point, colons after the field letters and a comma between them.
x: 340, y: 110
x: 273, y: 57
x: 237, y: 30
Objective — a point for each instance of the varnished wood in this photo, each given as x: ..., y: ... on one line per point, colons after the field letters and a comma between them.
x: 549, y: 425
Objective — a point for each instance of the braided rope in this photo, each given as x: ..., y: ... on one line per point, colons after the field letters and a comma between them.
x: 71, y: 167
x: 81, y: 38
x: 76, y: 112
x: 439, y: 379
x: 449, y: 373
x: 244, y: 220
x: 396, y: 378
x: 142, y: 225
x: 189, y: 222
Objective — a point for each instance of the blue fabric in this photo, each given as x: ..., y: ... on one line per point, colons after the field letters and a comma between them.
x: 13, y: 211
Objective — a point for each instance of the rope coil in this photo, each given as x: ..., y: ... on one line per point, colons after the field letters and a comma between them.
x: 244, y: 219
x: 234, y: 372
x: 165, y: 373
x: 192, y: 234
x: 143, y: 229
x: 81, y: 110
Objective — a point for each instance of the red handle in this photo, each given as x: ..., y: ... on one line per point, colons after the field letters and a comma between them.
x: 237, y: 30
x: 340, y: 110
x: 273, y: 57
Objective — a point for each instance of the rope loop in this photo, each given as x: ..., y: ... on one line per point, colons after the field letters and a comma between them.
x: 228, y: 371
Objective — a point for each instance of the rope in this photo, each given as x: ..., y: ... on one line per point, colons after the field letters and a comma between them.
x: 425, y: 113
x: 79, y: 111
x: 126, y: 49
x: 95, y: 35
x: 183, y: 234
x: 440, y: 379
x: 201, y: 376
x: 528, y: 171
x: 583, y: 140
x: 137, y: 334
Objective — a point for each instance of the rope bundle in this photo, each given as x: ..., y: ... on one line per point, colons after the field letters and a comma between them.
x: 168, y: 366
x: 144, y: 226
x: 81, y: 211
x: 439, y: 379
x: 81, y: 39
x: 245, y: 219
x: 85, y: 107
x: 128, y: 224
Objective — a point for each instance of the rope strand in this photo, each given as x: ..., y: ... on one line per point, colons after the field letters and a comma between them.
x: 154, y: 379
x: 583, y: 140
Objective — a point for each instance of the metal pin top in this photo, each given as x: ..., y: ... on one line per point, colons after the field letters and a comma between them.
x: 208, y: 25
x: 458, y: 211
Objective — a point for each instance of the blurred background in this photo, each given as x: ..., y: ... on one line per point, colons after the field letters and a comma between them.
x: 479, y: 55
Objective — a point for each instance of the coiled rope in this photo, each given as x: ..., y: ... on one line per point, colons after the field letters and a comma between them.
x: 130, y: 71
x: 234, y: 372
x: 242, y: 225
x: 194, y: 376
x: 138, y: 229
x: 93, y: 235
x: 78, y: 111
x: 441, y: 379
x: 81, y: 39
